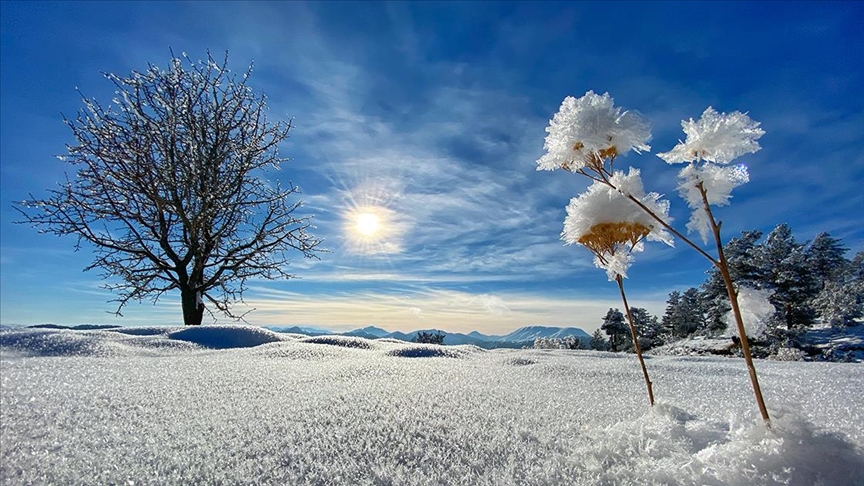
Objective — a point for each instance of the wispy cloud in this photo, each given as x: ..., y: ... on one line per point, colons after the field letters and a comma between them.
x: 431, y: 116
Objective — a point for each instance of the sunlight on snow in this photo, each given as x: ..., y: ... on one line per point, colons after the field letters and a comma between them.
x: 245, y: 405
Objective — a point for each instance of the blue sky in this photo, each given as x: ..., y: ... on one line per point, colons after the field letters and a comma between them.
x: 433, y: 115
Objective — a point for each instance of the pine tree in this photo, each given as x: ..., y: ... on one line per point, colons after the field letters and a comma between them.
x: 669, y: 317
x: 647, y: 328
x: 841, y: 298
x: 825, y: 259
x: 856, y: 269
x: 689, y: 316
x: 784, y: 270
x: 741, y: 258
x: 430, y: 338
x: 617, y: 330
x: 598, y: 342
x: 839, y: 304
x: 684, y: 315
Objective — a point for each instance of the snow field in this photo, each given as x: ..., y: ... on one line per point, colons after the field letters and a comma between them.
x: 143, y: 407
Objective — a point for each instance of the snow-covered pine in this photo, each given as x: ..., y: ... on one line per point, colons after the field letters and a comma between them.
x: 825, y: 258
x: 840, y: 304
x: 784, y: 271
x: 684, y: 315
x: 598, y: 342
x: 615, y: 327
x: 647, y: 328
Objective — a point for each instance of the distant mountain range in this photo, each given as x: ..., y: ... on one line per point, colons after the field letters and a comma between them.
x: 524, y: 336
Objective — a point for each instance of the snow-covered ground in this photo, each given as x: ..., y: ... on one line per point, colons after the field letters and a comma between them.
x: 154, y: 406
x: 822, y: 342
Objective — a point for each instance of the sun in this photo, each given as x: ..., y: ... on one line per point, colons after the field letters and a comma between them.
x: 370, y: 226
x: 367, y: 224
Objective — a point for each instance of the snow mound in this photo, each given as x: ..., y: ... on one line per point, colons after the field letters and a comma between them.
x: 696, y: 346
x: 145, y: 331
x: 297, y: 351
x: 52, y: 342
x: 425, y: 351
x: 668, y: 445
x: 838, y: 344
x: 792, y: 451
x: 343, y: 341
x: 292, y: 336
x: 390, y: 341
x: 109, y: 343
x: 225, y: 337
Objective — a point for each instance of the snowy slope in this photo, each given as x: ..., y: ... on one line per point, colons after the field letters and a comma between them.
x: 145, y: 407
x: 530, y: 333
x: 372, y: 331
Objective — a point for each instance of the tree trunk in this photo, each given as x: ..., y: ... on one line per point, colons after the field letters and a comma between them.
x: 193, y: 310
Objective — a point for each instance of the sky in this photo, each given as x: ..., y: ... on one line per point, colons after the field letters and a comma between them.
x: 431, y: 116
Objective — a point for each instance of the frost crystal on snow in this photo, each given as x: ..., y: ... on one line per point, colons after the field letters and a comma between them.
x: 612, y: 226
x: 590, y: 129
x: 716, y: 137
x: 718, y: 183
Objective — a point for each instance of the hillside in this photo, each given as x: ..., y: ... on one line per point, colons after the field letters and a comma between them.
x: 522, y: 337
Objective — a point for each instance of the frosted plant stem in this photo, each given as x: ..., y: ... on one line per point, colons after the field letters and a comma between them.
x: 673, y: 230
x: 736, y: 311
x: 721, y: 264
x: 636, y: 340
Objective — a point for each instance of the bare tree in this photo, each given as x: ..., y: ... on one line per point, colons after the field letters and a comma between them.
x: 169, y: 188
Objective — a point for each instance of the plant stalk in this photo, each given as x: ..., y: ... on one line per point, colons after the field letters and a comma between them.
x: 636, y: 346
x: 605, y: 180
x: 736, y: 310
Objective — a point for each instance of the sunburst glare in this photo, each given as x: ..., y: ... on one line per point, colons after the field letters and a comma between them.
x: 372, y: 223
x: 367, y: 224
x: 371, y: 230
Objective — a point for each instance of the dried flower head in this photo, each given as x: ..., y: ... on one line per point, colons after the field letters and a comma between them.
x: 608, y: 223
x: 589, y: 130
x: 607, y: 237
x: 716, y: 137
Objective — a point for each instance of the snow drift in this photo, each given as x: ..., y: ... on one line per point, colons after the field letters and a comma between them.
x: 142, y: 407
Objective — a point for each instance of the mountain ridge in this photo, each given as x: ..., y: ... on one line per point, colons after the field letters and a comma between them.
x: 520, y: 337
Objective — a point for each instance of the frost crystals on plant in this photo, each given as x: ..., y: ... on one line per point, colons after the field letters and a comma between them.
x: 588, y: 130
x: 606, y: 222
